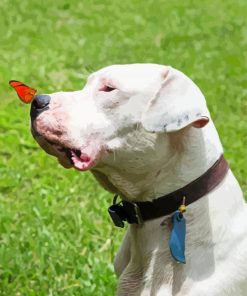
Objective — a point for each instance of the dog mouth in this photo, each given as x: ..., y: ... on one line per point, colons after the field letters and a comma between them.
x: 68, y: 156
x: 82, y: 159
x: 79, y: 160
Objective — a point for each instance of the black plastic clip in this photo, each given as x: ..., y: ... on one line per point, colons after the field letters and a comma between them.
x: 116, y: 212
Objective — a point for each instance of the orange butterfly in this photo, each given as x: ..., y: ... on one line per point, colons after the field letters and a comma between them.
x: 24, y: 92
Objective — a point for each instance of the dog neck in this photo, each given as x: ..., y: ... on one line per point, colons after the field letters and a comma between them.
x: 192, y: 154
x: 186, y: 156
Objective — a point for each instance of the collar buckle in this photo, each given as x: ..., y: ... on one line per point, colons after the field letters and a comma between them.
x: 133, y: 212
x: 138, y: 214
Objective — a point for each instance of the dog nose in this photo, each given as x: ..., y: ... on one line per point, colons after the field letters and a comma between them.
x: 41, y: 101
x: 39, y: 104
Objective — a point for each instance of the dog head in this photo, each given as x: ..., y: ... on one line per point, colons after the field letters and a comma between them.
x: 122, y: 115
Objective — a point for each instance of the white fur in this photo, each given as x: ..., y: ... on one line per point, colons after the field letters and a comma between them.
x: 142, y: 139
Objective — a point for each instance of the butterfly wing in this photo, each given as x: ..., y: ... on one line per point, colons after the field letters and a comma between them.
x: 24, y: 92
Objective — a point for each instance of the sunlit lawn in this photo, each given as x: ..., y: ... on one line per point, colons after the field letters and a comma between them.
x: 55, y: 234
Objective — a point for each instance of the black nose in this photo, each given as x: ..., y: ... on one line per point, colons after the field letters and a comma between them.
x: 41, y: 101
x: 39, y: 104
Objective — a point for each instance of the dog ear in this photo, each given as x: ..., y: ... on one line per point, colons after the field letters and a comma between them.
x: 177, y: 104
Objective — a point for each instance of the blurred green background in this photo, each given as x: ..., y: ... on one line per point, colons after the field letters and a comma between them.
x: 55, y: 234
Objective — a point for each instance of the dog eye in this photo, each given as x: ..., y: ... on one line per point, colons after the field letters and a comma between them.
x: 107, y: 88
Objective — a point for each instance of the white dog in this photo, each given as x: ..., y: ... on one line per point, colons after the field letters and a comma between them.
x: 144, y: 131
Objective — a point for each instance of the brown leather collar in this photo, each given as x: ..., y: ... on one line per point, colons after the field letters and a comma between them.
x: 138, y: 212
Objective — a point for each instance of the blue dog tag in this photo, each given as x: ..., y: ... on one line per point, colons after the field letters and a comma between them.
x: 177, y: 239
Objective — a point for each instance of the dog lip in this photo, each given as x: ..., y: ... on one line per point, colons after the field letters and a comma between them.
x: 68, y: 151
x: 65, y: 149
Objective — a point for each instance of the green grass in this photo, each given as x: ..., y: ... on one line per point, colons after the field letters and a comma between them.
x: 55, y: 235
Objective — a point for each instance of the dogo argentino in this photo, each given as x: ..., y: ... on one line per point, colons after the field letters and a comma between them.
x: 145, y: 133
